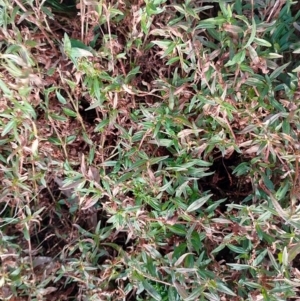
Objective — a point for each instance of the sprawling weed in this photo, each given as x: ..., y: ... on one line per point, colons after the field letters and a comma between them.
x: 149, y: 150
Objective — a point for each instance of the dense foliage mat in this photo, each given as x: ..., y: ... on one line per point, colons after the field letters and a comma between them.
x: 149, y: 150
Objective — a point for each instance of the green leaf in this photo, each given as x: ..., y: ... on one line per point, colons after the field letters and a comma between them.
x: 79, y: 44
x: 225, y: 8
x: 101, y: 125
x: 10, y: 125
x: 54, y: 140
x: 60, y: 98
x: 237, y: 59
x: 236, y: 249
x: 86, y: 138
x: 67, y: 44
x: 151, y: 290
x: 138, y: 163
x: 181, y: 290
x: 241, y: 169
x: 278, y: 71
x: 156, y: 160
x: 282, y: 191
x: 272, y: 55
x: 273, y: 260
x: 5, y: 89
x: 221, y: 287
x: 198, y: 203
x: 239, y: 267
x: 152, y: 251
x: 58, y: 117
x: 297, y: 69
x: 180, y: 9
x: 293, y: 252
x: 182, y: 189
x: 219, y: 248
x: 26, y: 232
x: 171, y: 294
x: 181, y: 259
x: 211, y: 23
x: 163, y: 44
x: 163, y: 142
x: 269, y: 184
x: 78, y: 53
x: 16, y: 272
x: 253, y: 33
x: 71, y: 84
x: 70, y: 139
x: 177, y: 229
x: 252, y: 284
x: 69, y: 112
x: 285, y: 259
x: 134, y: 71
x: 259, y: 258
x: 262, y: 42
x: 195, y: 294
x: 125, y: 177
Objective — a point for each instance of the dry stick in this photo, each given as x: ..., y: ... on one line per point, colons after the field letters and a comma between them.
x: 82, y: 14
x: 58, y: 135
x: 273, y: 9
x: 296, y: 182
x: 110, y: 38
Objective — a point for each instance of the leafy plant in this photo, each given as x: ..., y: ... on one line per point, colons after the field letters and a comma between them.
x: 150, y: 150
